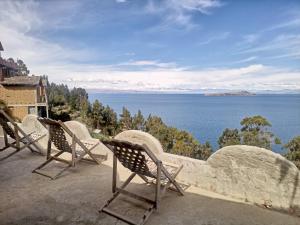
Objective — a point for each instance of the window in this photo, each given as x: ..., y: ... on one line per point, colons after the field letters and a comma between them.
x: 31, y: 110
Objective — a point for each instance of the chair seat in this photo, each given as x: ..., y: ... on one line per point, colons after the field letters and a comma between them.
x: 171, y: 168
x: 32, y: 137
x: 88, y: 144
x: 67, y: 156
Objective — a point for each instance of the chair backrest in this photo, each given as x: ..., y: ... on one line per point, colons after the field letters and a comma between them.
x: 4, y: 122
x: 131, y: 156
x: 56, y: 134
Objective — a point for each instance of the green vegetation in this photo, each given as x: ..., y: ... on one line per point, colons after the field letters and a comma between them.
x: 254, y: 132
x: 22, y: 68
x: 66, y: 105
x: 293, y: 147
x: 229, y: 137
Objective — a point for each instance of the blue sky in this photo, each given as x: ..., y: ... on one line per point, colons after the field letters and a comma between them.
x: 167, y: 46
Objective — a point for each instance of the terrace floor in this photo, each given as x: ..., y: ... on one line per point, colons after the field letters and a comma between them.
x: 76, y: 196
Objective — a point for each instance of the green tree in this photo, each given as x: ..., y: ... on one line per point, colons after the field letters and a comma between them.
x: 176, y: 141
x: 57, y: 94
x: 109, y: 122
x: 138, y: 121
x: 22, y: 68
x: 96, y: 114
x: 203, y: 151
x: 293, y: 147
x: 156, y: 127
x: 255, y: 132
x: 126, y: 119
x: 85, y: 108
x: 78, y: 98
x: 229, y: 137
x: 11, y: 60
x: 254, y: 123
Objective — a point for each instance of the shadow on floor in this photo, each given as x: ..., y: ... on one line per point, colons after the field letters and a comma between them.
x: 75, y: 198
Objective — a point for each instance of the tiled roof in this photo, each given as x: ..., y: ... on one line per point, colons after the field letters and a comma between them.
x: 21, y: 81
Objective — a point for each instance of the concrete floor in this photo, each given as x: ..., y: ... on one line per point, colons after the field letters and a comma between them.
x: 75, y: 197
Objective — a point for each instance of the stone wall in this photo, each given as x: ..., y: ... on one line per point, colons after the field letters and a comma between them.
x: 247, y: 173
x: 18, y: 95
x: 243, y: 172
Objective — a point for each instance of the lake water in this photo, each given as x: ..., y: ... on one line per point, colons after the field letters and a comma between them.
x: 206, y: 117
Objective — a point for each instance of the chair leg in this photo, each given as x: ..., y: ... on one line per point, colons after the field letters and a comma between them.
x: 144, y: 178
x: 36, y: 170
x: 6, y: 144
x: 117, y: 192
x: 173, y: 181
x: 120, y: 190
x: 157, y: 192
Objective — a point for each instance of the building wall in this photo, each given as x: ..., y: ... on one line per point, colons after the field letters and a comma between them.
x: 18, y: 95
x: 18, y: 99
x: 19, y: 112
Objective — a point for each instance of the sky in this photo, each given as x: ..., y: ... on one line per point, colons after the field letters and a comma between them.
x: 170, y: 46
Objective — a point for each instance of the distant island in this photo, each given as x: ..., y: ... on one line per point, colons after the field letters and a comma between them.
x: 238, y: 93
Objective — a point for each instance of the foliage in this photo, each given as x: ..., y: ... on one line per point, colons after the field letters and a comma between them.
x: 255, y: 132
x: 60, y: 113
x: 57, y: 95
x: 176, y: 141
x: 78, y: 98
x: 22, y: 68
x: 138, y: 121
x: 203, y: 151
x: 254, y: 123
x: 229, y: 137
x: 293, y: 147
x: 126, y: 120
x: 65, y: 105
x: 96, y: 114
x: 156, y: 127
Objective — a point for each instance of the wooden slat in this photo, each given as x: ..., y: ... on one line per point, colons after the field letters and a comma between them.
x: 119, y: 216
x: 135, y: 196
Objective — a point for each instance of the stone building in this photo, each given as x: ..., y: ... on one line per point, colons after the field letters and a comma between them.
x: 23, y: 94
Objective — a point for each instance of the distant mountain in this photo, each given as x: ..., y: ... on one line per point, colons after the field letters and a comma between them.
x: 238, y: 93
x: 206, y: 92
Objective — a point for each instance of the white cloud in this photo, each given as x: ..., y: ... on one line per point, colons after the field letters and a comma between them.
x: 250, y: 38
x: 202, y: 6
x: 18, y: 24
x: 254, y: 77
x: 293, y: 23
x: 151, y: 63
x: 217, y: 37
x: 284, y: 44
x: 121, y: 1
x: 62, y: 63
x: 249, y: 59
x: 181, y: 12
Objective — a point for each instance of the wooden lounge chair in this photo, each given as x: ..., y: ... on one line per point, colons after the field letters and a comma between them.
x: 78, y: 149
x: 142, y: 162
x: 21, y: 139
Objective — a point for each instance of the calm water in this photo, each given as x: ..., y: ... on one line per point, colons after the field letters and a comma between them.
x: 206, y: 117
